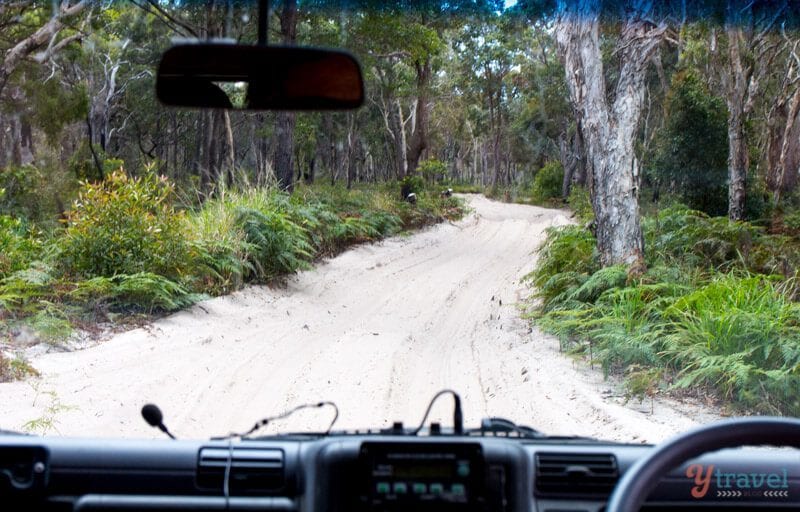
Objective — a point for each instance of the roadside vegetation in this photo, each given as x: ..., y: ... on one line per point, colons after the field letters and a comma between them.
x: 716, y: 312
x: 129, y: 247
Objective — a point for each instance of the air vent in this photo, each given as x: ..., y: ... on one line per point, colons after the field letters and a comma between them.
x: 570, y: 474
x: 254, y: 471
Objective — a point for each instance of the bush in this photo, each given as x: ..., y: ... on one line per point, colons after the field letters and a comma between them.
x: 694, y: 238
x: 20, y: 191
x: 137, y: 292
x: 567, y: 250
x: 278, y: 245
x: 27, y: 287
x: 411, y: 184
x: 691, y: 151
x: 19, y: 245
x: 125, y: 225
x: 739, y: 335
x: 127, y: 249
x: 548, y: 182
x: 432, y: 170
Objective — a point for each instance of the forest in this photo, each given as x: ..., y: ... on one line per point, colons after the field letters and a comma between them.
x: 670, y: 128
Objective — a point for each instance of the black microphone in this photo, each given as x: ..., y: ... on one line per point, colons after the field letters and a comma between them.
x: 458, y: 416
x: 152, y: 415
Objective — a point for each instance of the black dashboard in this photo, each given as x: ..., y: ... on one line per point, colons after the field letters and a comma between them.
x: 374, y: 473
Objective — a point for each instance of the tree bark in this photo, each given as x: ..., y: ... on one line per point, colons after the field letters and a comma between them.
x: 787, y: 166
x: 737, y: 82
x: 400, y: 142
x: 418, y: 141
x: 284, y: 151
x: 609, y: 131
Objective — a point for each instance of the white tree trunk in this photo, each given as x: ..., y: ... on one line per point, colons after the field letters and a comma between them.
x: 609, y: 131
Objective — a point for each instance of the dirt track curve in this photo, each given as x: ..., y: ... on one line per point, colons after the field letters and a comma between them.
x: 378, y: 329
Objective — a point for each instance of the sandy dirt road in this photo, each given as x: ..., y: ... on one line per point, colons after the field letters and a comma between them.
x: 378, y: 330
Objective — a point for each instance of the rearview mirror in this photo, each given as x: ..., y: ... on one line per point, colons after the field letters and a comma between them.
x: 231, y: 76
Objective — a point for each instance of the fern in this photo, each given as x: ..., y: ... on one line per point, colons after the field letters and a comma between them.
x: 601, y: 281
x: 278, y: 245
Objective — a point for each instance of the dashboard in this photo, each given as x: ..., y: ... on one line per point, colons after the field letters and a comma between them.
x: 374, y: 473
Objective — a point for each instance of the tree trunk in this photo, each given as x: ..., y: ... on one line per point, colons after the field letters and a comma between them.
x: 230, y: 164
x: 400, y: 138
x: 787, y: 166
x: 609, y: 131
x: 738, y: 163
x: 568, y: 164
x: 284, y: 152
x: 737, y: 81
x: 418, y: 141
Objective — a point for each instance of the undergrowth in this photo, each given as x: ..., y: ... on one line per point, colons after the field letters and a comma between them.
x: 127, y: 248
x: 716, y: 312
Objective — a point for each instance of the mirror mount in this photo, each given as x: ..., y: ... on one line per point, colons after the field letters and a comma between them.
x: 263, y: 22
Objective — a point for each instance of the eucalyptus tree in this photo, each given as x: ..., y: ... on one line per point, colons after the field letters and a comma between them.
x: 609, y: 122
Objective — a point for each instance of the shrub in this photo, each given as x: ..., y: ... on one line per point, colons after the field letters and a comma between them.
x: 125, y: 225
x: 20, y: 191
x: 739, y: 335
x: 279, y: 245
x: 432, y: 170
x: 19, y: 245
x: 412, y: 183
x: 691, y: 150
x: 698, y: 240
x: 599, y: 282
x: 27, y: 286
x: 791, y: 220
x: 137, y: 292
x: 548, y: 182
x: 566, y: 249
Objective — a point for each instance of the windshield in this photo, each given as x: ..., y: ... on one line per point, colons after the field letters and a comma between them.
x: 581, y: 216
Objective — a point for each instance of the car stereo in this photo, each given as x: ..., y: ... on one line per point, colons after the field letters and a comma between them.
x: 422, y: 477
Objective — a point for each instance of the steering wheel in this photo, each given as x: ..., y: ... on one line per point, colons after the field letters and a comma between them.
x: 641, y: 478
